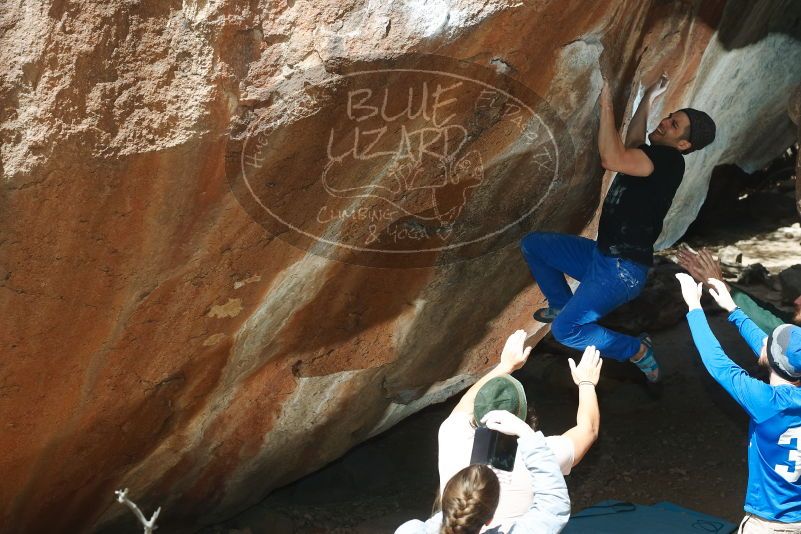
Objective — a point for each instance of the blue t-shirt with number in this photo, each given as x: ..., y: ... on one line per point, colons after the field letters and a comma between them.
x: 774, y: 430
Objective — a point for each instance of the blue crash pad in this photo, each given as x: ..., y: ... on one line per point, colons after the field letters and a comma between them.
x: 618, y: 517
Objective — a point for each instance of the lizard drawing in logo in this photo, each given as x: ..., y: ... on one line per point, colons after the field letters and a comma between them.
x: 428, y: 173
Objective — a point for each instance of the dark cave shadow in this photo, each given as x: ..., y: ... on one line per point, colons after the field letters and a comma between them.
x: 745, y: 22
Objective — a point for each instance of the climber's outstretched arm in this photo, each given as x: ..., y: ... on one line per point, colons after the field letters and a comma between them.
x: 638, y: 127
x: 614, y: 154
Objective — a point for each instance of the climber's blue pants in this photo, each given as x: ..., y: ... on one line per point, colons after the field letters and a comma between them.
x: 606, y: 283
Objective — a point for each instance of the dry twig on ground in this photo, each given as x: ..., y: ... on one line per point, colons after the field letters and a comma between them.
x: 150, y: 525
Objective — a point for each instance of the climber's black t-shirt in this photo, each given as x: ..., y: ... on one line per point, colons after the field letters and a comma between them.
x: 635, y: 207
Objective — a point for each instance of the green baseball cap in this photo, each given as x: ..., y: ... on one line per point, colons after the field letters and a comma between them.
x: 501, y: 393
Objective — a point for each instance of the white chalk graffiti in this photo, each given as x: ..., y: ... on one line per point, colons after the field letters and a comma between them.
x: 417, y: 153
x: 408, y: 161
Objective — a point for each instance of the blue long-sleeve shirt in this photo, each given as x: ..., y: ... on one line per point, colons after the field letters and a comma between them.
x: 765, y: 316
x: 774, y: 429
x: 550, y: 509
x: 749, y: 330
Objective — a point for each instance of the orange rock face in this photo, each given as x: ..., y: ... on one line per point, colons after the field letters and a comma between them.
x: 240, y: 237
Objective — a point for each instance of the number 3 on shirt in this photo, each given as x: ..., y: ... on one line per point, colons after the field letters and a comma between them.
x: 794, y: 456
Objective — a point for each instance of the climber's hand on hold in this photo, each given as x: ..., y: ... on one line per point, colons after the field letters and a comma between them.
x: 657, y: 88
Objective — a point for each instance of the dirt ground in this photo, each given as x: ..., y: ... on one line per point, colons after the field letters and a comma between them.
x: 687, y: 447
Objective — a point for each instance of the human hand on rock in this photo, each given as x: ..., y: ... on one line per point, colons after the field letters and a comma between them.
x: 514, y: 353
x: 658, y: 88
x: 588, y: 368
x: 690, y: 290
x: 721, y: 294
x: 506, y: 423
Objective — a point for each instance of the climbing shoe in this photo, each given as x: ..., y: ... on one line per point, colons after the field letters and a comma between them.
x: 546, y: 315
x: 647, y: 363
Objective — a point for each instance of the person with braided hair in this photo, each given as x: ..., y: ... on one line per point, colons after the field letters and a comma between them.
x: 499, y: 390
x: 470, y: 499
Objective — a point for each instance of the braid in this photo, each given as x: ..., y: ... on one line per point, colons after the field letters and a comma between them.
x: 465, y: 516
x: 469, y: 500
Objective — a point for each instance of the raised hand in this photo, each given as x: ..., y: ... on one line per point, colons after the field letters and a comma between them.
x: 690, y: 290
x: 514, y: 353
x: 721, y: 294
x: 506, y: 422
x: 710, y: 266
x: 701, y: 265
x: 588, y: 368
x: 658, y: 88
x: 690, y: 260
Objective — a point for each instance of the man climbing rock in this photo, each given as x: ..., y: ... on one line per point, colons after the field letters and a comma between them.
x: 613, y: 269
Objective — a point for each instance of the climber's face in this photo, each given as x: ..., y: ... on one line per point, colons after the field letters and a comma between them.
x: 673, y: 131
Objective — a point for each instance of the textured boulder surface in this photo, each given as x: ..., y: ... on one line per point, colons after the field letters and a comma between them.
x: 209, y: 289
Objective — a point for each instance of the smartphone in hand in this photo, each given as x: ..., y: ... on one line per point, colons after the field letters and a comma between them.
x: 494, y: 448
